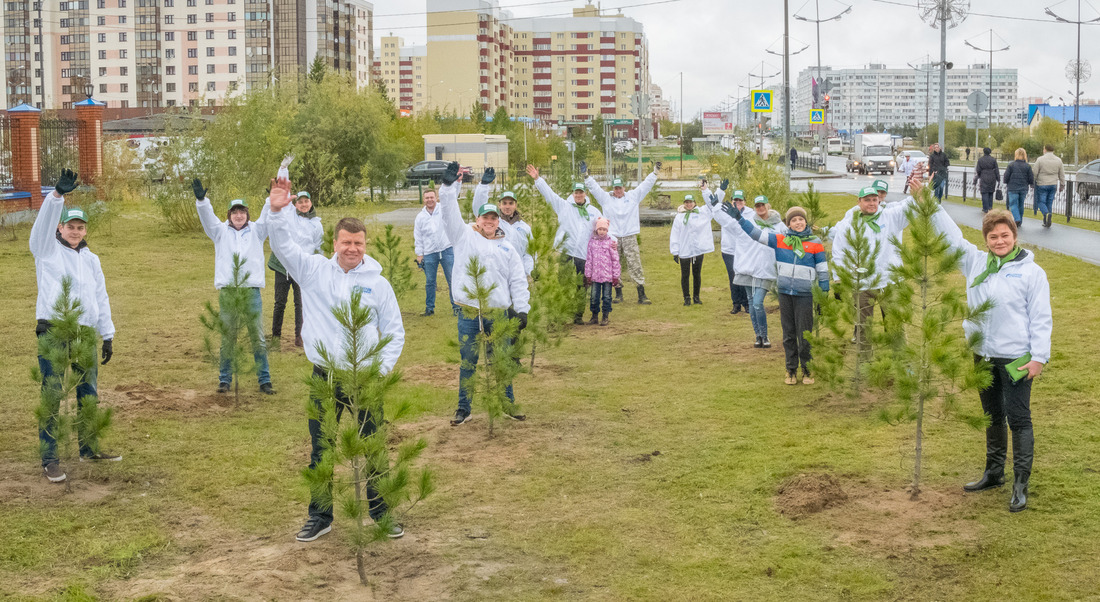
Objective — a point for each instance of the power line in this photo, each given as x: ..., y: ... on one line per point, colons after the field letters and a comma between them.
x: 991, y: 16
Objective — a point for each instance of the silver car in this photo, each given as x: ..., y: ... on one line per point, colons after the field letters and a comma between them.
x: 1088, y: 180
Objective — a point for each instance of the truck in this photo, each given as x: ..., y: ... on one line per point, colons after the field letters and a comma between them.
x: 872, y: 153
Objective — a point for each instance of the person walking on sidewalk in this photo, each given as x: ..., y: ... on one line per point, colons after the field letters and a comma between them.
x: 730, y: 234
x: 602, y: 269
x: 794, y: 157
x: 801, y: 261
x: 988, y: 175
x: 433, y: 249
x: 1050, y: 177
x: 906, y: 167
x: 1018, y: 180
x: 1016, y: 341
x: 308, y: 232
x: 621, y: 209
x: 238, y: 236
x: 691, y: 239
x: 938, y: 162
x: 60, y: 251
x: 575, y: 219
x: 504, y: 276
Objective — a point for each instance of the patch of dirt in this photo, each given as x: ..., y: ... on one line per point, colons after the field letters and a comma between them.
x: 25, y: 485
x: 617, y: 328
x: 439, y: 374
x: 144, y: 397
x: 804, y: 494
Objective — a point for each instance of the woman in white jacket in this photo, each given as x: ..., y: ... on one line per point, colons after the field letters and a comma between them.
x: 690, y: 240
x: 307, y: 231
x: 1015, y: 340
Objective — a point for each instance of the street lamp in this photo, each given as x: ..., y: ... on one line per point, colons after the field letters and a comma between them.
x: 1077, y: 71
x: 818, y: 21
x: 990, y: 50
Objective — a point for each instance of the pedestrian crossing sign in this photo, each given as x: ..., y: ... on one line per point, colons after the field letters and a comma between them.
x: 761, y: 101
x: 817, y: 116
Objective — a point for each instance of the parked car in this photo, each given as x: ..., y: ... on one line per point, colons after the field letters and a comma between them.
x: 429, y: 172
x: 1088, y: 181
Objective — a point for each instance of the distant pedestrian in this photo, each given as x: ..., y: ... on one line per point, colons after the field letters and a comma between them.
x: 1050, y: 177
x: 968, y: 153
x: 1018, y: 179
x: 988, y: 175
x: 906, y: 166
x: 938, y: 162
x: 794, y: 157
x: 602, y: 269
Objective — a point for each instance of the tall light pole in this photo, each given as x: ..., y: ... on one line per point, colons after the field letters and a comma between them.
x: 818, y: 21
x: 681, y: 124
x: 990, y: 50
x: 943, y: 14
x: 1077, y: 71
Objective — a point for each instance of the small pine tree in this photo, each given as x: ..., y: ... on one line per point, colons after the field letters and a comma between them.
x: 228, y: 323
x: 395, y: 262
x: 931, y: 361
x: 317, y: 69
x: 499, y: 348
x: 811, y: 202
x: 71, y: 350
x: 356, y: 376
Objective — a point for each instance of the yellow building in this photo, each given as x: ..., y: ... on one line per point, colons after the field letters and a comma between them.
x: 401, y: 69
x: 469, y: 54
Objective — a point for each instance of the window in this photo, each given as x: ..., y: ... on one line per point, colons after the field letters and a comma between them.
x: 122, y: 54
x: 168, y: 19
x: 123, y: 71
x: 233, y: 67
x: 209, y: 17
x: 169, y: 87
x: 232, y: 51
x: 122, y: 19
x: 192, y: 36
x: 102, y: 71
x: 101, y: 20
x: 102, y: 88
x: 210, y: 34
x: 209, y: 51
x: 122, y: 3
x: 102, y: 37
x: 232, y: 85
x: 210, y: 68
x: 192, y: 19
x: 102, y: 55
x: 101, y: 4
x: 170, y: 53
x: 211, y: 86
x: 170, y: 70
x: 124, y: 88
x: 192, y: 70
x: 231, y: 17
x: 169, y: 3
x: 192, y: 53
x: 122, y: 36
x: 193, y: 87
x: 232, y: 34
x: 169, y: 36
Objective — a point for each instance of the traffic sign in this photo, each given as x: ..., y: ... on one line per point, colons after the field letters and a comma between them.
x: 975, y: 122
x: 618, y: 121
x: 977, y: 101
x: 761, y: 101
x: 817, y: 116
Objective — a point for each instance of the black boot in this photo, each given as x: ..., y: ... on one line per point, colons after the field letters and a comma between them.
x: 603, y: 322
x: 736, y: 309
x: 996, y: 447
x: 642, y: 299
x: 1023, y: 451
x: 697, y: 301
x: 687, y: 301
x: 618, y: 295
x: 595, y: 320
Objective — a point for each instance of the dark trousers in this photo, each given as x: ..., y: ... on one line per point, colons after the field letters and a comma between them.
x: 691, y: 268
x: 737, y: 293
x: 85, y: 388
x: 939, y: 185
x: 987, y: 201
x: 1008, y: 401
x: 468, y: 329
x: 283, y: 284
x: 367, y: 425
x: 578, y: 265
x: 600, y: 291
x: 796, y: 314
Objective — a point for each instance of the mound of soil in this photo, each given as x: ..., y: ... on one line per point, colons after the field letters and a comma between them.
x: 142, y: 396
x: 806, y: 494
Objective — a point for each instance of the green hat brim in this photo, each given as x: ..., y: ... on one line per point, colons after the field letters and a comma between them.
x: 72, y: 214
x: 508, y: 194
x: 488, y: 208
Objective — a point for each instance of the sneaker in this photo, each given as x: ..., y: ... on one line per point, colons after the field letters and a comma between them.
x: 736, y: 309
x: 395, y: 531
x: 759, y: 344
x: 101, y: 457
x: 1047, y: 219
x: 791, y: 380
x: 53, y: 472
x: 314, y: 528
x: 807, y: 379
x: 460, y: 417
x: 223, y: 387
x: 427, y: 312
x: 767, y: 343
x: 687, y: 301
x: 266, y: 389
x: 696, y: 300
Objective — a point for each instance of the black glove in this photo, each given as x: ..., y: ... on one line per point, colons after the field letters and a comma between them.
x: 200, y: 192
x: 107, y: 352
x: 489, y: 175
x: 66, y: 183
x: 584, y: 168
x: 657, y: 166
x: 730, y: 210
x: 676, y: 258
x: 451, y: 174
x: 725, y: 184
x: 522, y: 321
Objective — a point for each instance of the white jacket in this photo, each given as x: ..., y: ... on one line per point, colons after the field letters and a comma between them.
x: 518, y: 234
x: 326, y: 285
x: 429, y: 235
x: 730, y: 228
x: 1021, y: 320
x: 892, y: 222
x: 622, y: 213
x: 53, y: 260
x: 694, y: 237
x: 248, y: 242
x: 750, y: 258
x: 308, y: 232
x: 502, y: 263
x: 574, y: 229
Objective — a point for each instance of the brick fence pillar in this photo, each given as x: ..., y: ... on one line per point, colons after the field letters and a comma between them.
x: 26, y: 175
x: 89, y: 133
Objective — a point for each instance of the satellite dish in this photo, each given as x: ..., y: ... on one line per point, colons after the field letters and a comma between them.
x: 933, y: 12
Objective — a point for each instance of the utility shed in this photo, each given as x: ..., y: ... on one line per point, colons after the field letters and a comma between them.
x: 476, y: 151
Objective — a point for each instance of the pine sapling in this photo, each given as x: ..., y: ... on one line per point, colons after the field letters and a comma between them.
x: 71, y: 350
x: 395, y: 262
x: 228, y: 322
x: 355, y: 381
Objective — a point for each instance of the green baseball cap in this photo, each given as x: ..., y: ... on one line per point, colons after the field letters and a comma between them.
x: 237, y: 203
x: 616, y: 183
x: 578, y: 186
x: 305, y: 194
x: 881, y: 185
x: 74, y: 213
x: 867, y: 191
x: 508, y: 194
x: 488, y: 208
x: 739, y: 194
x: 760, y: 200
x: 688, y: 197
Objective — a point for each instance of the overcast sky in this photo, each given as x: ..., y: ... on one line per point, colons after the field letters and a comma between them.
x: 717, y: 43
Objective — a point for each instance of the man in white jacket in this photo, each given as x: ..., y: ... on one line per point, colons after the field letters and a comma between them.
x: 60, y: 251
x: 621, y: 209
x: 575, y: 220
x: 326, y: 284
x: 516, y: 231
x: 237, y: 236
x: 503, y: 273
x: 433, y: 249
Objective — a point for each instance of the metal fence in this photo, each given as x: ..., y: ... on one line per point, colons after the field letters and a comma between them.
x: 58, y: 148
x: 1067, y: 202
x: 6, y: 176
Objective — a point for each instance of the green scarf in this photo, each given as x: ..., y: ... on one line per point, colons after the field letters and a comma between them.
x: 687, y: 214
x: 583, y: 209
x: 763, y: 224
x: 795, y: 243
x: 871, y: 221
x: 993, y: 265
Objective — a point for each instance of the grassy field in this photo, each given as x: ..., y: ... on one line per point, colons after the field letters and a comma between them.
x: 662, y: 459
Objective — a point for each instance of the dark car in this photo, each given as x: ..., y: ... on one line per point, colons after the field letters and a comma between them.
x: 1088, y: 181
x: 429, y: 172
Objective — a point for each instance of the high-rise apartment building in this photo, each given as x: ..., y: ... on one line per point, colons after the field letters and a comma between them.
x: 469, y: 55
x: 160, y: 53
x: 401, y: 69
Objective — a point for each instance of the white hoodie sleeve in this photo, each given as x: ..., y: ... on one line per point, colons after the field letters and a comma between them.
x: 674, y: 238
x: 1040, y: 316
x: 517, y: 284
x: 557, y: 203
x: 316, y: 234
x: 639, y: 194
x: 419, y: 234
x: 389, y: 324
x: 296, y: 260
x: 105, y: 327
x: 481, y: 196
x: 260, y: 224
x: 43, y: 239
x: 598, y: 193
x: 210, y: 222
x: 452, y: 217
x: 972, y: 256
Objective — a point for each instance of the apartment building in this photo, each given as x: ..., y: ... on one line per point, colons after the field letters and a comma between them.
x: 162, y: 53
x: 469, y: 56
x: 401, y: 69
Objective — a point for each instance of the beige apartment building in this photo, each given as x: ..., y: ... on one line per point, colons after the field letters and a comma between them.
x: 401, y: 69
x: 162, y: 53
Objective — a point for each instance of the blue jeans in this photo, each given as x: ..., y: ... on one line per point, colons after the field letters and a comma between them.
x: 756, y: 312
x: 1016, y: 204
x: 600, y: 291
x: 86, y: 388
x: 737, y: 293
x: 939, y: 184
x: 1044, y: 198
x: 468, y: 330
x: 431, y: 267
x: 255, y: 333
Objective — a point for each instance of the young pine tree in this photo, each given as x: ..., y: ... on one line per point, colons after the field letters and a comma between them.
x: 395, y: 262
x: 229, y: 325
x: 498, y: 349
x: 931, y: 362
x: 360, y: 445
x: 71, y: 351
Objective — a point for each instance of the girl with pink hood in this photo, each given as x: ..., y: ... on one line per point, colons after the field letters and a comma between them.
x: 602, y: 269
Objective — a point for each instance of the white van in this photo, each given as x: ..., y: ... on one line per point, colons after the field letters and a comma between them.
x: 834, y: 146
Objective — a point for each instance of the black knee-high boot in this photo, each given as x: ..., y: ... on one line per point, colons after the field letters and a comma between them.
x: 1023, y: 453
x: 996, y: 448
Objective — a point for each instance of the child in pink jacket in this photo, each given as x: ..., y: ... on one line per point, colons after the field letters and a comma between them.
x: 601, y: 270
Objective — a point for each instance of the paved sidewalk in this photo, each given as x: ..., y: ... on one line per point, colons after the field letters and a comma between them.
x: 1067, y: 240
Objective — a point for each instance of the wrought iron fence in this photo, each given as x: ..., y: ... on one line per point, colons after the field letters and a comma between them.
x: 6, y: 175
x: 57, y: 147
x: 1068, y: 202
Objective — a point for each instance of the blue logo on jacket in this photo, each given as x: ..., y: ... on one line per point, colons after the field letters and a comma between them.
x: 1014, y: 275
x: 364, y: 290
